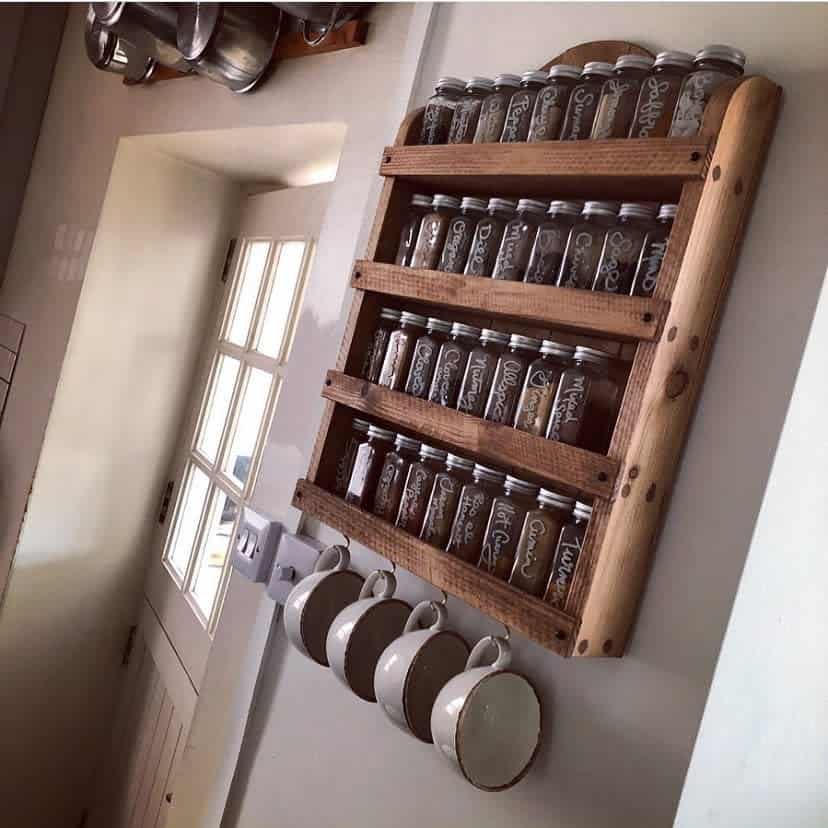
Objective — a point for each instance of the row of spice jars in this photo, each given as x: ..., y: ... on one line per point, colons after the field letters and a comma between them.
x: 508, y: 527
x: 542, y: 387
x: 636, y: 97
x: 598, y: 245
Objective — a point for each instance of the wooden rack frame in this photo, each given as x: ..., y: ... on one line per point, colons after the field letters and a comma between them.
x: 666, y: 339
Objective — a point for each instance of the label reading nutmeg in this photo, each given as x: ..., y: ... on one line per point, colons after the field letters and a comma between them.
x: 569, y: 407
x: 477, y: 380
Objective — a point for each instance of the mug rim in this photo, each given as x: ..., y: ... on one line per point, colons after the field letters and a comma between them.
x: 325, y: 573
x: 462, y: 714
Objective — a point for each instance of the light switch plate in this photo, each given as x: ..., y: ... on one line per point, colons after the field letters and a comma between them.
x: 254, y: 546
x: 295, y: 558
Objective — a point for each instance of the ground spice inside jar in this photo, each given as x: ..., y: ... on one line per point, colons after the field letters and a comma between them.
x: 368, y: 463
x: 469, y: 526
x: 585, y: 243
x: 389, y: 321
x: 459, y: 235
x: 433, y: 230
x: 622, y: 248
x: 451, y: 364
x: 540, y: 386
x: 518, y: 238
x: 508, y: 379
x: 467, y: 112
x: 487, y: 236
x: 442, y: 503
x: 567, y: 553
x: 345, y: 463
x: 619, y: 96
x: 392, y: 477
x: 653, y: 252
x: 424, y: 358
x: 521, y: 106
x: 550, y: 104
x: 493, y: 110
x: 480, y: 371
x: 550, y: 243
x: 418, y: 485
x: 439, y: 111
x: 659, y: 94
x: 583, y: 102
x: 400, y: 351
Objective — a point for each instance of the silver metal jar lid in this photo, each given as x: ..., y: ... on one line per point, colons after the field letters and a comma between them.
x: 674, y: 58
x: 360, y: 425
x: 381, y: 433
x: 601, y: 208
x: 550, y: 498
x: 439, y: 325
x: 455, y: 461
x: 472, y: 203
x: 497, y: 337
x: 404, y: 442
x: 564, y: 70
x: 583, y: 511
x: 479, y: 83
x: 515, y: 484
x: 390, y: 314
x: 598, y: 67
x: 420, y: 200
x: 431, y: 453
x: 720, y: 51
x: 413, y: 319
x: 459, y: 329
x: 525, y: 343
x: 591, y: 355
x: 571, y: 208
x: 667, y: 211
x: 549, y: 346
x: 636, y: 209
x: 634, y: 62
x: 451, y: 202
x: 488, y: 474
x: 507, y: 79
x: 533, y: 77
x: 502, y: 204
x: 532, y: 205
x: 451, y: 83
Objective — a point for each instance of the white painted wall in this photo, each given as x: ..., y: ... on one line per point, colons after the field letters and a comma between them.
x: 620, y: 733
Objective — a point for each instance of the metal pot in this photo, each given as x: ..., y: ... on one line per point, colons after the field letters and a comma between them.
x: 318, y: 20
x: 150, y: 27
x: 110, y: 53
x: 230, y: 43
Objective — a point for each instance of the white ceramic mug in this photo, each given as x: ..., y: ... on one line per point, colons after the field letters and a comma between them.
x: 317, y: 599
x: 361, y: 631
x: 487, y: 720
x: 414, y: 668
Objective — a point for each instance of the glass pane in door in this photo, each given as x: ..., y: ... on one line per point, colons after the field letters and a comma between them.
x: 248, y: 425
x: 187, y: 519
x: 250, y: 281
x: 218, y: 404
x: 276, y: 327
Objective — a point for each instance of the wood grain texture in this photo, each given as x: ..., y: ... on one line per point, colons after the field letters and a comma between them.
x: 606, y: 50
x: 519, y: 611
x: 506, y: 448
x: 659, y: 430
x: 628, y: 317
x: 648, y: 168
x: 292, y: 45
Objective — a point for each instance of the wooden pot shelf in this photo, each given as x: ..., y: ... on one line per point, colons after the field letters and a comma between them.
x: 663, y: 342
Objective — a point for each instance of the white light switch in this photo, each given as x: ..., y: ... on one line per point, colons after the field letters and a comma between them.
x: 254, y: 546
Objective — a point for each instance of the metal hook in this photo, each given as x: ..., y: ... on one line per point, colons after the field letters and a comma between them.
x: 444, y: 599
x: 508, y: 632
x: 347, y: 540
x: 393, y: 565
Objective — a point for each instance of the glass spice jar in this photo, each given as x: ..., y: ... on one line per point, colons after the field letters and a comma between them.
x: 658, y: 95
x: 550, y: 242
x: 451, y: 364
x: 622, y: 247
x: 420, y: 206
x: 518, y: 238
x: 424, y: 359
x: 459, y: 235
x: 418, y: 485
x: 467, y: 111
x: 400, y: 351
x: 392, y: 477
x: 583, y: 101
x: 469, y: 525
x: 540, y: 386
x: 368, y: 463
x: 653, y: 252
x: 487, y: 236
x: 504, y: 526
x: 538, y: 539
x: 442, y: 503
x: 585, y: 243
x: 389, y: 321
x: 567, y: 552
x: 493, y: 110
x: 521, y: 106
x: 619, y: 95
x: 345, y: 463
x: 712, y: 66
x: 550, y: 104
x: 480, y: 370
x: 439, y: 110
x: 508, y: 379
x: 569, y: 407
x: 433, y: 229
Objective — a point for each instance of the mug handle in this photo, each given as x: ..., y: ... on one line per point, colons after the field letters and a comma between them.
x: 389, y: 584
x: 335, y: 558
x: 477, y: 657
x: 417, y: 614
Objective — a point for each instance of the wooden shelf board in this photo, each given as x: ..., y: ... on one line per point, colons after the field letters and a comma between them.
x: 519, y: 611
x: 627, y: 317
x: 507, y: 448
x: 628, y: 168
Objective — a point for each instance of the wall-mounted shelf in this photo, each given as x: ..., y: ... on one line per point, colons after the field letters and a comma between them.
x: 665, y: 345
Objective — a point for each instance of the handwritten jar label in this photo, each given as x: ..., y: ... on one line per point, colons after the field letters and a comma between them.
x: 469, y: 523
x: 649, y: 265
x: 492, y: 115
x: 581, y: 112
x: 569, y: 407
x: 476, y: 382
x: 549, y: 111
x: 547, y: 254
x: 440, y: 511
x: 484, y: 246
x: 534, y: 552
x: 617, y: 267
x: 615, y: 108
x: 696, y: 92
x: 502, y: 535
x: 503, y: 397
x: 448, y: 374
x: 516, y: 126
x: 343, y: 466
x: 458, y: 241
x: 422, y: 365
x: 387, y: 494
x: 415, y: 498
x: 536, y: 399
x: 656, y: 102
x: 563, y: 564
x: 582, y: 255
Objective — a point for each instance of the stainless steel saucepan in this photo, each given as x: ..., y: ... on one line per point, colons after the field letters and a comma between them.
x: 113, y: 54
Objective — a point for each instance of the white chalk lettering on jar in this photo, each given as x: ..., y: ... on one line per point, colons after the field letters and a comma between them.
x: 612, y: 100
x: 448, y: 369
x: 653, y: 264
x: 509, y: 379
x: 422, y: 356
x: 583, y: 242
x: 475, y: 505
x: 564, y: 569
x: 413, y: 491
x: 652, y: 110
x: 508, y: 252
x: 503, y: 525
x: 618, y: 245
x: 569, y: 405
x: 583, y: 98
x: 520, y: 104
x: 537, y: 529
x: 474, y: 386
x: 457, y: 233
x: 439, y: 501
x: 383, y: 494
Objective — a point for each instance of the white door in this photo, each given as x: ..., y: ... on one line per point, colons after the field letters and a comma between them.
x: 215, y: 471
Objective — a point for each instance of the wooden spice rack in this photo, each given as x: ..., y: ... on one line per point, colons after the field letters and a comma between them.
x: 664, y: 341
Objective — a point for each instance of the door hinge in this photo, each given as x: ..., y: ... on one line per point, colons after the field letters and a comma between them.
x: 228, y: 259
x: 166, y: 499
x: 129, y: 645
x: 84, y: 818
